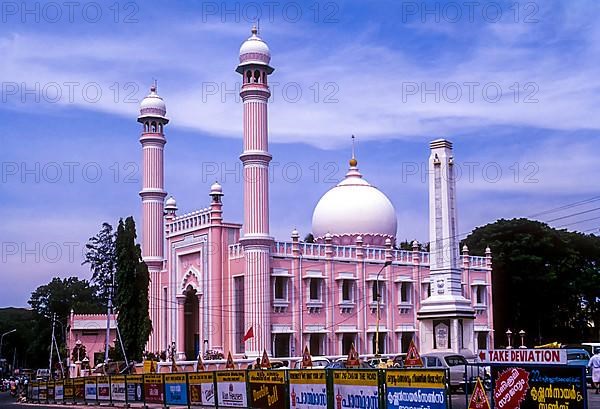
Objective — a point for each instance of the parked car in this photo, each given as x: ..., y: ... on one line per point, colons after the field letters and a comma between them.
x: 580, y: 357
x: 462, y: 374
x: 317, y: 362
x: 341, y: 364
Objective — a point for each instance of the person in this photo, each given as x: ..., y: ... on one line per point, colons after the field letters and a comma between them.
x: 594, y: 363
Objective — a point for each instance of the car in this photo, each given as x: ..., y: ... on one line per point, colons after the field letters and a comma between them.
x: 341, y: 364
x: 462, y: 374
x: 580, y: 357
x: 317, y: 362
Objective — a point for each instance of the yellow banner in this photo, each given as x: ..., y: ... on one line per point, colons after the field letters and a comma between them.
x: 90, y: 380
x: 134, y: 378
x: 415, y: 378
x: 103, y: 379
x: 153, y: 378
x: 231, y: 376
x: 200, y: 377
x: 117, y: 379
x: 356, y: 377
x: 303, y: 376
x: 79, y: 381
x: 272, y: 377
x: 175, y: 378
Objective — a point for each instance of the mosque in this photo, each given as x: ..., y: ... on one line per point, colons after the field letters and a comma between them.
x: 221, y: 285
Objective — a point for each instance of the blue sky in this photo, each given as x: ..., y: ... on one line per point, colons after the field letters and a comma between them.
x: 513, y: 85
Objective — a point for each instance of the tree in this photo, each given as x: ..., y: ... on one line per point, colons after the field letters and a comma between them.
x: 59, y: 296
x: 309, y: 238
x: 545, y: 281
x: 132, y: 282
x: 100, y: 255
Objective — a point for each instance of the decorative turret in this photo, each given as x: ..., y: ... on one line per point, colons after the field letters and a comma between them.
x: 256, y: 241
x: 152, y: 117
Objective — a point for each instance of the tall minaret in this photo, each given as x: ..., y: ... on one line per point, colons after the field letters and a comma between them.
x: 254, y: 68
x: 152, y: 117
x: 447, y: 316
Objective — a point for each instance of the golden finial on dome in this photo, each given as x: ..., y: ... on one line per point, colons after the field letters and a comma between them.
x: 353, y: 162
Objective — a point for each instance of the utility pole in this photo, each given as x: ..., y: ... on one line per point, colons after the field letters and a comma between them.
x: 109, y: 311
x: 52, y: 344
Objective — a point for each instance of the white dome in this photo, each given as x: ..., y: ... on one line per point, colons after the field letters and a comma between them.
x: 153, y: 104
x: 171, y: 201
x: 355, y: 208
x: 216, y: 188
x: 254, y: 49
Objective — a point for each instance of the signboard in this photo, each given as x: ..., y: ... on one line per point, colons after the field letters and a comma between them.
x: 524, y: 356
x: 538, y: 387
x: 117, y: 388
x: 202, y: 389
x: 149, y: 366
x: 42, y: 392
x: 50, y: 391
x: 103, y: 388
x: 355, y: 389
x: 59, y: 392
x: 91, y: 389
x: 229, y: 364
x: 35, y: 391
x: 154, y: 388
x: 412, y: 356
x: 176, y: 389
x: 267, y: 389
x: 308, y: 389
x: 415, y: 389
x: 135, y: 388
x: 79, y: 389
x: 68, y: 389
x: 479, y: 399
x: 231, y: 389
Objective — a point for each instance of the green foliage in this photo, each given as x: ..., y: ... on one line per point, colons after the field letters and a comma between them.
x: 58, y: 296
x: 100, y: 255
x: 132, y: 283
x: 309, y: 238
x: 545, y: 281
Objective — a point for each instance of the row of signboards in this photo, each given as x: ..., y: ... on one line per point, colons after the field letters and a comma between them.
x: 272, y: 389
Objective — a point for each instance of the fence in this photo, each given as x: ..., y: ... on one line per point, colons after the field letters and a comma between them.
x: 257, y: 389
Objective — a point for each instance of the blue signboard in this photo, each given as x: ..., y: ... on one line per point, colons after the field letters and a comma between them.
x: 176, y: 389
x: 416, y: 389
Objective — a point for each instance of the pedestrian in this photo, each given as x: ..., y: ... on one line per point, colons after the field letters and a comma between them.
x: 594, y: 363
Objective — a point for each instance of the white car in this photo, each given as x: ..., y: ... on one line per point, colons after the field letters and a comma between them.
x: 462, y: 373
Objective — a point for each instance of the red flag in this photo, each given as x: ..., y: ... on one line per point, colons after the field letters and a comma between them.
x: 249, y: 334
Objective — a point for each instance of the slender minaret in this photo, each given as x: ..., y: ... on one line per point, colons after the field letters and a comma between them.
x: 152, y: 117
x: 447, y: 316
x: 254, y: 68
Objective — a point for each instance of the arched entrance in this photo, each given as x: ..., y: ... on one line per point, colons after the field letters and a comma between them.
x: 191, y: 324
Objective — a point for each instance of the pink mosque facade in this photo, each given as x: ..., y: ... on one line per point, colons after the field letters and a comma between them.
x: 212, y: 280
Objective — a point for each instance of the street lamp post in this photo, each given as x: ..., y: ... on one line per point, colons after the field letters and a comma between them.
x: 2, y: 339
x: 522, y: 335
x: 387, y: 263
x: 509, y: 338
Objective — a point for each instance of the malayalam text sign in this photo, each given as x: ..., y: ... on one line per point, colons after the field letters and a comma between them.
x: 91, y: 389
x: 231, y: 389
x: 135, y: 388
x: 308, y: 389
x: 355, y: 389
x: 176, y: 389
x: 538, y: 387
x: 117, y: 388
x: 154, y: 388
x: 103, y: 388
x: 524, y: 356
x: 414, y: 388
x: 202, y: 388
x: 267, y: 389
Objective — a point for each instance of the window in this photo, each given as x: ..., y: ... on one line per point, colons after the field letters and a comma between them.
x: 280, y: 288
x: 482, y: 340
x: 480, y: 295
x: 238, y: 297
x: 405, y: 339
x: 347, y: 291
x: 316, y: 344
x: 425, y: 291
x: 381, y: 342
x: 347, y: 341
x: 378, y: 291
x: 405, y: 293
x: 315, y: 289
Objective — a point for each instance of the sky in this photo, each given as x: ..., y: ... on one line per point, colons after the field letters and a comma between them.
x: 513, y: 85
